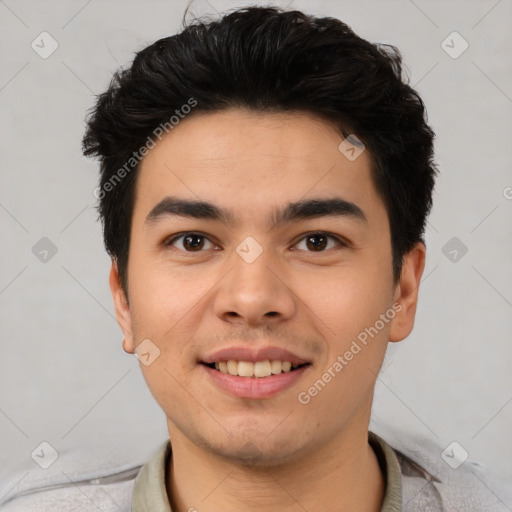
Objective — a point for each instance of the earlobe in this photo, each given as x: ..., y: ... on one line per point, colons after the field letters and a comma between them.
x: 122, y: 308
x: 406, y: 292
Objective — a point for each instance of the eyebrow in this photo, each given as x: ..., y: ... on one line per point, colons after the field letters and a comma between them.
x: 292, y: 212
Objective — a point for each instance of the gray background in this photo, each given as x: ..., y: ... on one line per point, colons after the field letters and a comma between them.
x: 64, y: 377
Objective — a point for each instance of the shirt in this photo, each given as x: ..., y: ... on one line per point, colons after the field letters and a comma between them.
x: 419, y: 477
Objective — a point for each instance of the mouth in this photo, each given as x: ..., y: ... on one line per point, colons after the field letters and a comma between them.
x: 255, y: 370
x: 254, y: 373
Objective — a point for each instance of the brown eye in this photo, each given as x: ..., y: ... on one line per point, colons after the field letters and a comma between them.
x: 318, y: 242
x: 193, y: 242
x: 190, y: 242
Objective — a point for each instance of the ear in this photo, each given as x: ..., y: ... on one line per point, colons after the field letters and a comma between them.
x: 122, y: 308
x: 406, y: 292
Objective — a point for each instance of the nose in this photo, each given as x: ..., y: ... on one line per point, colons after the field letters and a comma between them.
x: 255, y: 293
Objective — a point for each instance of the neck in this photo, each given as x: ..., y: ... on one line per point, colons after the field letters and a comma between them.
x: 341, y: 475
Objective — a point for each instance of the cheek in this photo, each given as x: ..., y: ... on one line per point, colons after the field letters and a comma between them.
x: 347, y: 300
x: 346, y: 307
x: 167, y: 308
x: 164, y: 295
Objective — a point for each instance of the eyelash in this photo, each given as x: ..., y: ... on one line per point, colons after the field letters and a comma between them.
x: 341, y: 242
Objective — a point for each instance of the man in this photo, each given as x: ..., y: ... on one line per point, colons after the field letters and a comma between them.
x: 265, y: 184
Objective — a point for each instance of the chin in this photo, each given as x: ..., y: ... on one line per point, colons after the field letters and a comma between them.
x: 254, y: 451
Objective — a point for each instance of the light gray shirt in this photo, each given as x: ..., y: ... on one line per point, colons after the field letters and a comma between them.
x: 417, y: 479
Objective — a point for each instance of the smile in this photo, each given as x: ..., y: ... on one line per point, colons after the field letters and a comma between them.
x: 254, y: 372
x: 259, y: 369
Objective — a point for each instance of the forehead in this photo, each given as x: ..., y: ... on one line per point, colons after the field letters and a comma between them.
x: 248, y: 161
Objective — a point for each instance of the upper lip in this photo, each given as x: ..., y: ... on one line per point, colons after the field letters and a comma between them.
x: 253, y: 355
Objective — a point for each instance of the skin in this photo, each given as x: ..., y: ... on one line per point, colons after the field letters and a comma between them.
x: 239, y: 454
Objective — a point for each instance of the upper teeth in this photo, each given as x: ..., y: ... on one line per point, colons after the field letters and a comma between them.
x: 258, y: 369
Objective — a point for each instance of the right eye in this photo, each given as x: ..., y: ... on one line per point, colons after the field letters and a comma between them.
x: 190, y: 242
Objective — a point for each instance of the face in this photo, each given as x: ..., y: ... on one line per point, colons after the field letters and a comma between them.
x: 257, y: 243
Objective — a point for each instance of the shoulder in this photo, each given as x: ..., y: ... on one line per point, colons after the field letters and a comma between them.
x: 114, y: 497
x: 78, y: 480
x: 445, y: 478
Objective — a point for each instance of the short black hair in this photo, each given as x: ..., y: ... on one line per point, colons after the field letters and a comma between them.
x: 266, y: 59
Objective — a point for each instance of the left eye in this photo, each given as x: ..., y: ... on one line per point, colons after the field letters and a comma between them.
x: 192, y: 242
x: 319, y: 242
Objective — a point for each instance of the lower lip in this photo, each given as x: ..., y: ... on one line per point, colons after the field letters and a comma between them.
x: 255, y: 387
